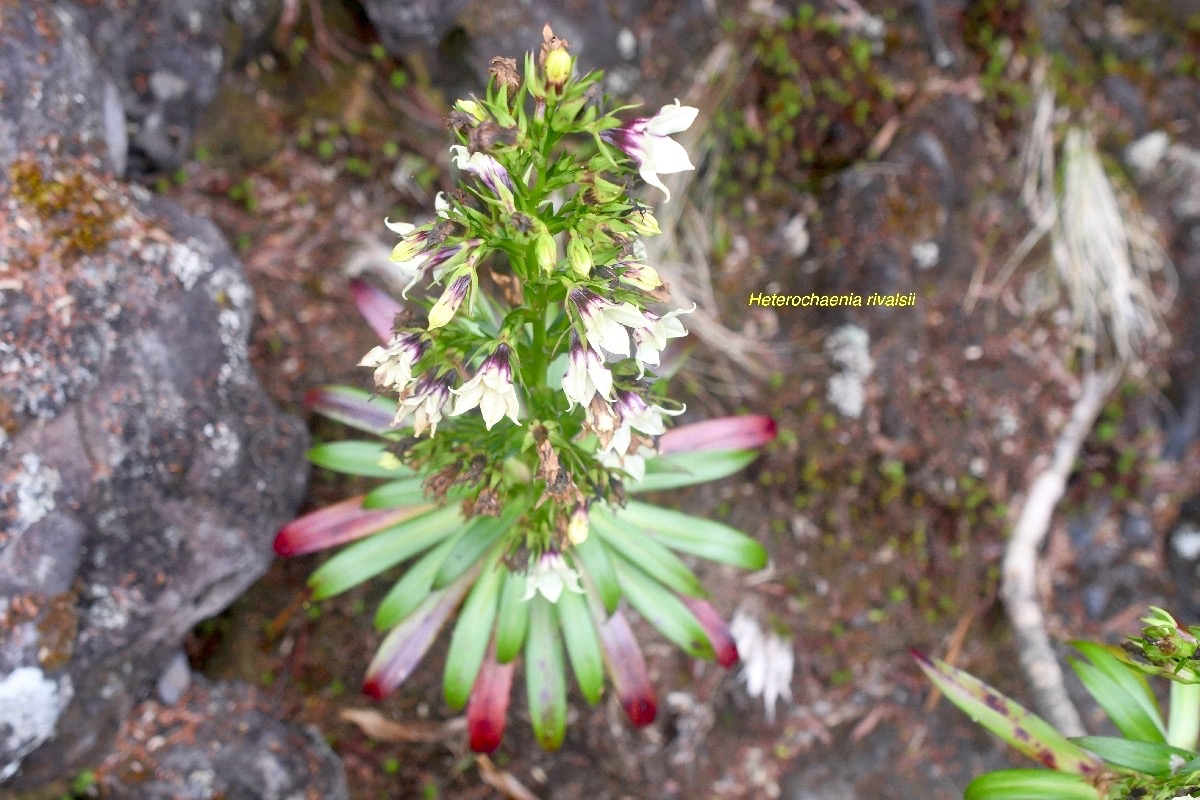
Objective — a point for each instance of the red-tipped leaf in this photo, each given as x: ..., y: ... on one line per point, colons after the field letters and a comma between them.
x: 724, y: 433
x: 406, y: 645
x: 376, y: 306
x: 714, y: 626
x: 627, y: 669
x: 340, y: 523
x: 353, y: 407
x: 487, y: 710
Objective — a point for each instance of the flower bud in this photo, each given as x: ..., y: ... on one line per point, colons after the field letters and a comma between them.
x: 577, y: 527
x: 447, y: 305
x: 546, y: 251
x: 644, y: 223
x: 558, y: 67
x: 580, y: 257
x: 471, y: 108
x: 643, y: 276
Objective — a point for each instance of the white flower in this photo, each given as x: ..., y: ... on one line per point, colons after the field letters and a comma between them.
x: 394, y: 361
x: 586, y: 375
x: 491, y: 390
x: 550, y: 575
x: 651, y: 339
x: 633, y: 464
x: 636, y: 415
x: 767, y: 661
x: 490, y: 171
x: 425, y: 403
x: 646, y: 141
x: 605, y: 322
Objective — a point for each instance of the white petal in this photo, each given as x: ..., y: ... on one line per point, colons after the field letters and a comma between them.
x: 672, y: 119
x: 666, y: 156
x: 602, y: 379
x: 651, y: 177
x: 551, y: 586
x: 460, y: 156
x: 468, y: 397
x: 402, y: 228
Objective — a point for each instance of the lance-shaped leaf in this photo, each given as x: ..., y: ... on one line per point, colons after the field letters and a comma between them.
x: 699, y: 537
x: 1124, y: 694
x: 472, y: 632
x: 337, y: 524
x: 358, y: 457
x: 633, y: 543
x: 592, y: 558
x: 723, y: 433
x: 1026, y: 732
x: 395, y: 493
x: 377, y: 307
x: 482, y: 533
x: 545, y: 675
x: 662, y: 609
x: 414, y: 586
x: 354, y: 407
x: 368, y: 558
x: 627, y: 670
x: 674, y: 472
x: 1030, y: 784
x: 406, y: 645
x: 487, y: 710
x: 1151, y: 758
x: 512, y: 618
x: 583, y: 644
x: 714, y: 626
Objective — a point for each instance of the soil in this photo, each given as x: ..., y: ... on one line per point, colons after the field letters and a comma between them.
x: 885, y: 531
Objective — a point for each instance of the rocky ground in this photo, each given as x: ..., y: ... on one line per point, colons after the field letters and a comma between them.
x: 845, y: 149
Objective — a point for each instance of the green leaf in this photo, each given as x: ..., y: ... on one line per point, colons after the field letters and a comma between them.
x: 417, y: 583
x: 545, y: 675
x: 352, y: 406
x: 632, y: 543
x: 472, y: 633
x: 395, y: 494
x: 1123, y: 694
x: 1150, y: 758
x: 699, y: 537
x: 688, y: 469
x: 583, y: 644
x: 1026, y: 732
x: 663, y: 610
x: 1030, y: 784
x: 481, y: 533
x: 591, y: 555
x: 512, y: 619
x: 368, y: 557
x: 358, y: 457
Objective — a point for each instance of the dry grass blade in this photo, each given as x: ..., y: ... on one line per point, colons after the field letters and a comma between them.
x: 381, y: 729
x: 502, y: 781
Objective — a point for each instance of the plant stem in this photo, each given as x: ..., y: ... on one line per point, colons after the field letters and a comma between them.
x: 1183, y: 723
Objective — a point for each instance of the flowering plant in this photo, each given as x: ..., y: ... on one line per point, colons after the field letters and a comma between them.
x: 550, y: 325
x: 1151, y: 760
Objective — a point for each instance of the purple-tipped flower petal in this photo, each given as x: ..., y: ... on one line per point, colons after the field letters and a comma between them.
x: 408, y: 642
x: 647, y: 142
x: 376, y: 306
x: 488, y: 170
x: 627, y: 669
x: 724, y: 433
x: 337, y: 524
x: 719, y: 635
x: 487, y: 710
x: 491, y: 390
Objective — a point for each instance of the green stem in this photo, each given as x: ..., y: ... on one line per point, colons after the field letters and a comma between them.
x: 1183, y: 723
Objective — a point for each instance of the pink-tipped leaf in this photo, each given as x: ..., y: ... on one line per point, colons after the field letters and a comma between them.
x: 487, y: 710
x: 377, y: 307
x: 723, y: 433
x: 337, y: 524
x: 627, y: 669
x: 354, y: 407
x: 718, y: 632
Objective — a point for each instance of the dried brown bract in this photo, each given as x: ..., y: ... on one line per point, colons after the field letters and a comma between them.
x: 488, y: 134
x: 550, y: 42
x: 504, y: 70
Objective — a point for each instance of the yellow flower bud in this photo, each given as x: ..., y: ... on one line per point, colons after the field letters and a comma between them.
x: 580, y: 257
x: 546, y: 252
x: 558, y: 67
x: 577, y: 526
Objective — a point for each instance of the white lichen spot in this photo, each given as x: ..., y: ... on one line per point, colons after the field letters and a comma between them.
x: 1145, y: 154
x: 106, y: 611
x: 848, y: 348
x: 926, y: 254
x: 767, y: 661
x: 185, y: 263
x: 30, y: 705
x: 225, y: 444
x: 795, y: 236
x: 34, y: 487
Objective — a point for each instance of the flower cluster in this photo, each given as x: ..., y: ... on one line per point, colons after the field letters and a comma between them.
x: 539, y: 311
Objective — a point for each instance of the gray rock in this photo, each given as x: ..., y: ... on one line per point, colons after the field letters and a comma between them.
x: 143, y: 470
x: 165, y: 58
x: 404, y: 24
x: 234, y: 748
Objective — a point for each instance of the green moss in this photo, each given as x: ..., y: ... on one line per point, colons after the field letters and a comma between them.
x: 72, y: 205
